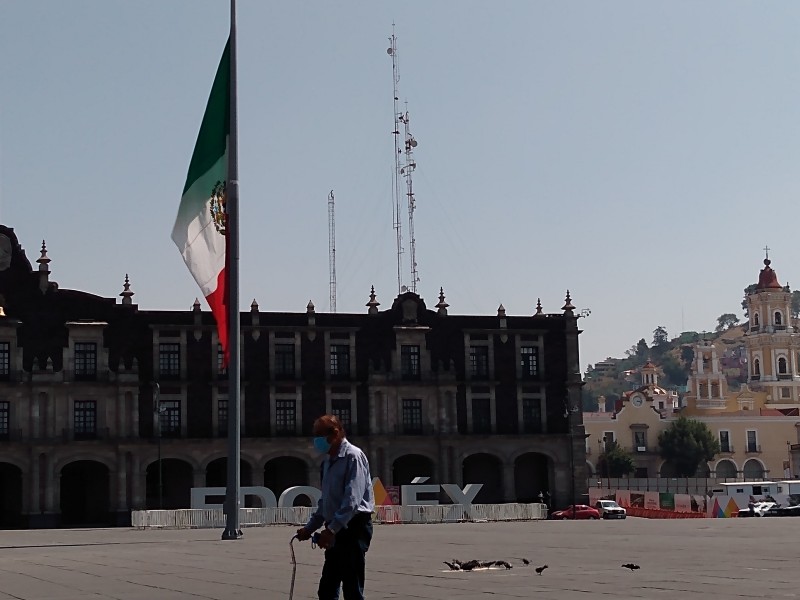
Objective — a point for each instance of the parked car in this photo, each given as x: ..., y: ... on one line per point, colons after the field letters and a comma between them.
x: 609, y: 509
x: 582, y: 511
x: 782, y: 511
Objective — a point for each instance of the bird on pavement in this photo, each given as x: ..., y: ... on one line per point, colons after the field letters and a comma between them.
x: 453, y: 566
x: 631, y: 566
x: 541, y: 569
x: 525, y: 561
x: 502, y: 563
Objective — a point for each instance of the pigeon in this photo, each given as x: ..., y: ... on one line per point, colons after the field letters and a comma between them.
x: 470, y: 564
x: 540, y: 570
x: 502, y: 563
x: 453, y: 565
x: 525, y: 561
x: 631, y: 566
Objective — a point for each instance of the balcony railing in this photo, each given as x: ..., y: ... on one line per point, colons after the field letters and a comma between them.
x: 71, y: 435
x: 726, y: 449
x: 753, y: 449
x: 755, y: 377
x: 784, y: 376
x: 11, y: 435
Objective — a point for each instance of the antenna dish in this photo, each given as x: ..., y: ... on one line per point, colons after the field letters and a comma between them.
x: 389, y: 51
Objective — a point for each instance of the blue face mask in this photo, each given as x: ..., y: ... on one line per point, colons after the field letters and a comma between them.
x: 322, y: 445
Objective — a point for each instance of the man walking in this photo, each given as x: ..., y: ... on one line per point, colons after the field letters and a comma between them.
x: 345, y: 509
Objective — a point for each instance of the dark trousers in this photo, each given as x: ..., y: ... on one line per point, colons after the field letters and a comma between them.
x: 344, y: 563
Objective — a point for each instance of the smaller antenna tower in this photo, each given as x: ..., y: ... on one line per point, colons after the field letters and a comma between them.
x: 396, y: 177
x: 332, y: 251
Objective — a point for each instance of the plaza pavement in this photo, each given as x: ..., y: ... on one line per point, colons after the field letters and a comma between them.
x: 695, y: 558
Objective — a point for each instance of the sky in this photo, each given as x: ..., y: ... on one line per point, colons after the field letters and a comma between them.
x: 639, y: 154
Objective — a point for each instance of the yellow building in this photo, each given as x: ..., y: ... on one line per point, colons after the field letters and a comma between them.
x: 756, y: 426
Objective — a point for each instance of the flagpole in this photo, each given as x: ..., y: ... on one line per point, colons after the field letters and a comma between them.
x: 232, y: 530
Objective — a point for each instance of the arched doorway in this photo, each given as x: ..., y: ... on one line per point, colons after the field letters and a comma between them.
x: 409, y: 466
x: 10, y: 496
x: 85, y: 494
x: 217, y: 476
x: 488, y: 470
x: 531, y: 477
x: 753, y: 470
x: 177, y: 481
x: 285, y: 472
x: 726, y: 469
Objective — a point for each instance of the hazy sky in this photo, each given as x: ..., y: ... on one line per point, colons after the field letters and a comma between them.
x: 640, y: 154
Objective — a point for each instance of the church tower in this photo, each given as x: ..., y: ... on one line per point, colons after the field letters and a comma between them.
x: 772, y: 341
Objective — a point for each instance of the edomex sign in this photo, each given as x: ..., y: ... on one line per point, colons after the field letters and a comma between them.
x: 409, y: 494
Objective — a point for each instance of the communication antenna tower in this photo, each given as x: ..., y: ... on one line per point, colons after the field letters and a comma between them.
x: 397, y: 193
x: 332, y: 251
x: 407, y: 171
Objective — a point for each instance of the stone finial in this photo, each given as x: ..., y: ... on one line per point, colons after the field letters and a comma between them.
x: 310, y: 307
x: 538, y: 306
x: 196, y: 306
x: 373, y: 304
x: 254, y: 306
x: 568, y: 307
x: 44, y: 269
x: 126, y: 293
x: 442, y: 306
x: 501, y: 311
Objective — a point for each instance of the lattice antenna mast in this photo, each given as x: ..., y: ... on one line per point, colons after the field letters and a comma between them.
x: 332, y: 250
x: 397, y: 193
x: 407, y: 171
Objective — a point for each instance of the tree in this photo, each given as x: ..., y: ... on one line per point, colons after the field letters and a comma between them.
x: 726, y: 321
x: 687, y: 356
x: 687, y: 444
x: 615, y: 461
x: 747, y: 291
x: 660, y: 336
x: 641, y: 348
x: 674, y: 371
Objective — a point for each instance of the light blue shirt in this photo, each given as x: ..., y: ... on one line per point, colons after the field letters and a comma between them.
x: 346, y: 489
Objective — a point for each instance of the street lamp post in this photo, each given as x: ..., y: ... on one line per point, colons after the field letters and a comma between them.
x: 157, y: 411
x: 568, y: 410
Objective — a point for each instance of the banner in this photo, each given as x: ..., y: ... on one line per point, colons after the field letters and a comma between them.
x: 624, y: 498
x: 666, y: 500
x: 683, y: 503
x: 651, y: 500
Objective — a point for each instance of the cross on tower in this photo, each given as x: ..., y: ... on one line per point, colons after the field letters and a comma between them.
x: 766, y: 249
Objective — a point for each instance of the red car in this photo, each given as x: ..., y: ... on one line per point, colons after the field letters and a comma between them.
x: 582, y: 511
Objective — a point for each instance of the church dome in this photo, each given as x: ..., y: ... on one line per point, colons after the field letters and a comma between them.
x: 768, y: 278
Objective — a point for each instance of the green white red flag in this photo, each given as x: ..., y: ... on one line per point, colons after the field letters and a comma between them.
x: 199, y: 230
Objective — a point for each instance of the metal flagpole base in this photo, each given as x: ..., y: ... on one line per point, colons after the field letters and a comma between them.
x: 232, y: 534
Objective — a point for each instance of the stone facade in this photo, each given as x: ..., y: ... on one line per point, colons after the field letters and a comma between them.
x: 93, y: 391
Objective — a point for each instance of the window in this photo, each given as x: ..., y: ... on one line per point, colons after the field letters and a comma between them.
x: 85, y: 360
x: 778, y: 318
x: 481, y: 415
x: 222, y: 370
x: 786, y: 393
x: 752, y: 442
x: 531, y: 415
x: 222, y: 417
x: 529, y: 361
x: 412, y: 416
x: 170, y: 418
x: 5, y: 420
x: 715, y: 389
x: 479, y: 362
x: 340, y: 408
x: 340, y: 361
x: 725, y: 441
x: 5, y: 359
x: 755, y: 319
x: 409, y: 362
x: 284, y: 361
x: 608, y: 439
x: 285, y: 416
x: 703, y: 390
x: 756, y: 368
x: 639, y: 440
x: 169, y: 360
x: 85, y: 419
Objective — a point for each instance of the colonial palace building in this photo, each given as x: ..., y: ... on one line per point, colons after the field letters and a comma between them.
x: 93, y: 390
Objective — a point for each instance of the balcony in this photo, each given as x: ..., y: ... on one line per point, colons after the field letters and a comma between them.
x: 71, y: 435
x: 726, y: 449
x: 755, y: 377
x: 753, y: 449
x: 11, y: 435
x: 784, y: 376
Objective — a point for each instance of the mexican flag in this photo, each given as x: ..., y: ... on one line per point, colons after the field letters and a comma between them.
x: 199, y: 230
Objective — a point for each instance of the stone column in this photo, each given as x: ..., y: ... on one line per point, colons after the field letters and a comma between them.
x: 509, y: 491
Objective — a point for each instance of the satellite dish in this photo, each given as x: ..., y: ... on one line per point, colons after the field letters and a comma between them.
x: 389, y: 51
